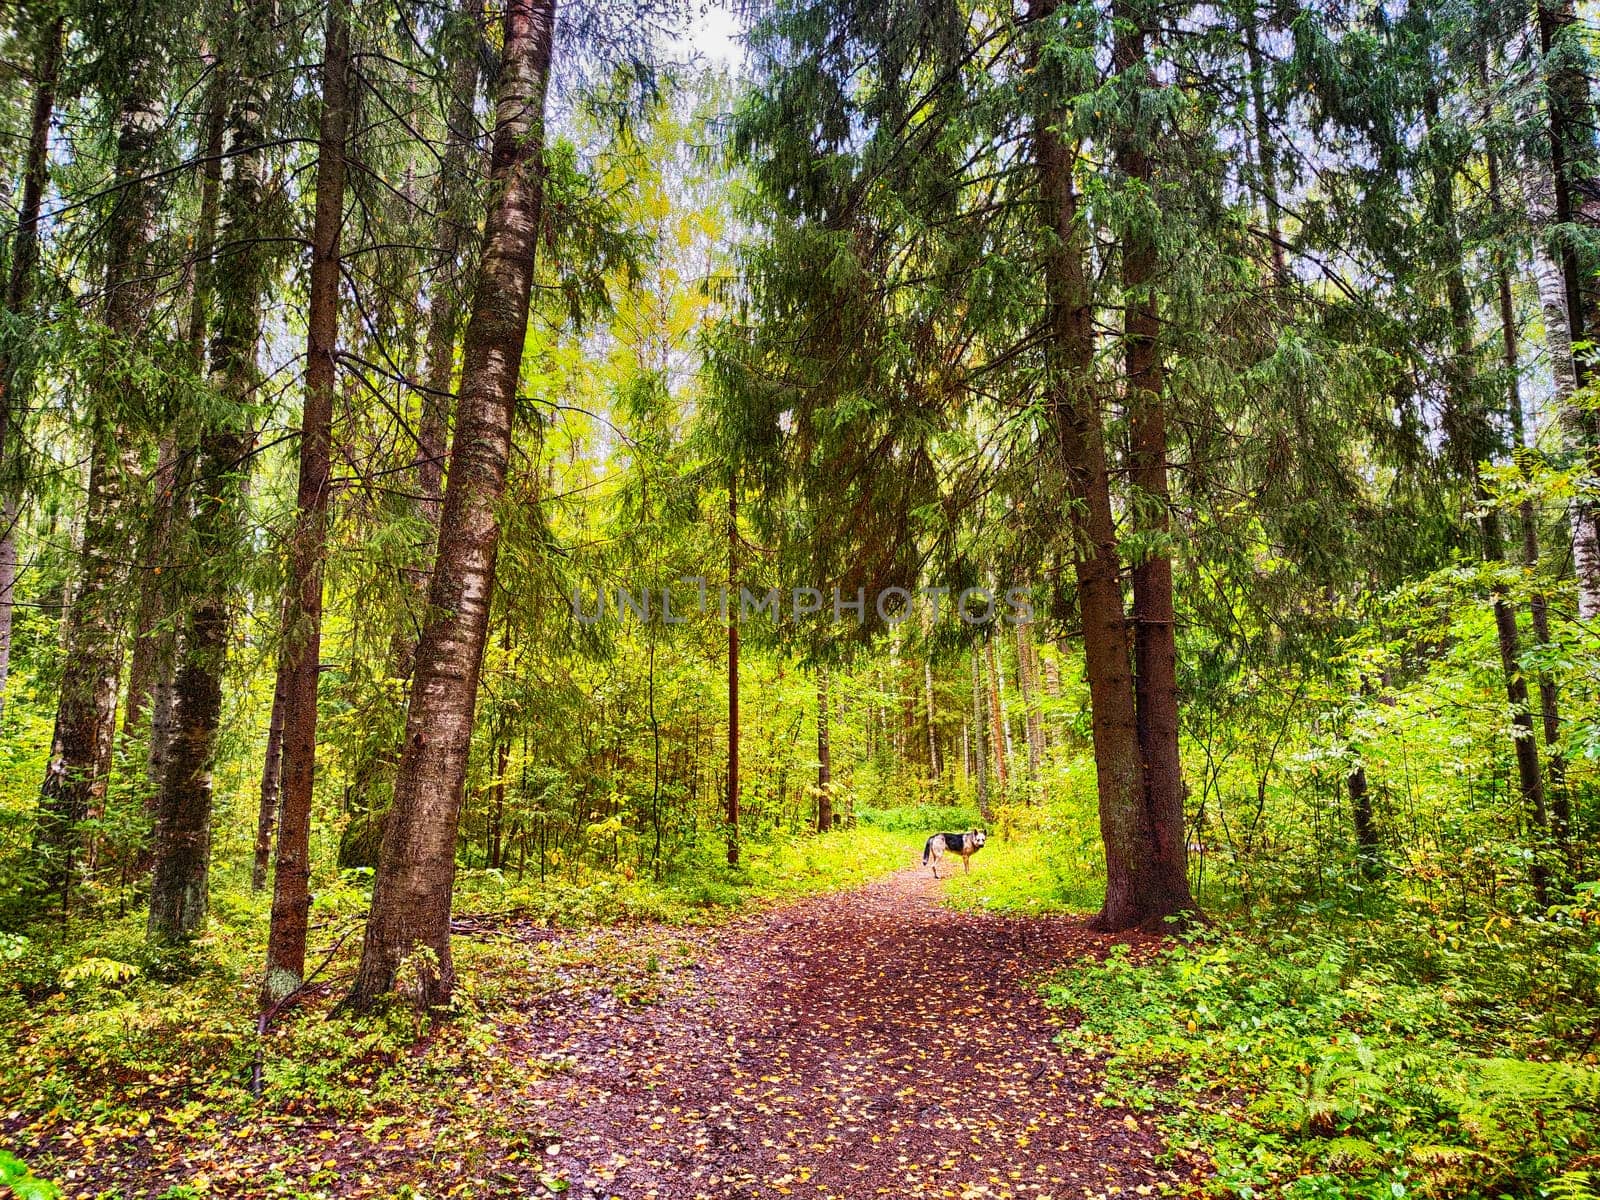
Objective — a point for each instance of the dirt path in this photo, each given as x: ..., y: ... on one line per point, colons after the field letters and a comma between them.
x: 863, y: 1044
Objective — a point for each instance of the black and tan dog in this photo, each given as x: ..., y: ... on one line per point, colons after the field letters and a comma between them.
x: 965, y: 844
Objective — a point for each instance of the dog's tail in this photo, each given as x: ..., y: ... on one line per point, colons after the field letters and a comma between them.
x: 927, y: 849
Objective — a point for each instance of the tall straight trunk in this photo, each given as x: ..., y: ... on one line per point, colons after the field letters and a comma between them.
x: 19, y: 289
x: 1560, y: 804
x: 1163, y: 867
x: 1471, y: 441
x: 152, y: 661
x: 1074, y: 414
x: 149, y: 663
x: 997, y: 719
x: 86, y: 705
x: 300, y: 655
x: 494, y: 825
x: 1525, y: 746
x: 934, y: 764
x: 1052, y: 688
x: 730, y: 815
x: 1028, y: 684
x: 1266, y: 147
x: 453, y: 193
x: 416, y: 868
x: 271, y: 788
x: 1570, y: 113
x: 179, y: 891
x: 979, y: 723
x: 824, y: 756
x: 10, y: 514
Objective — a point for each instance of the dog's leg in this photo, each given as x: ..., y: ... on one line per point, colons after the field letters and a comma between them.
x: 966, y: 864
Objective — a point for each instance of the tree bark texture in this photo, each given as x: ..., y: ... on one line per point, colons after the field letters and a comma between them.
x: 300, y: 654
x: 86, y: 706
x: 416, y: 868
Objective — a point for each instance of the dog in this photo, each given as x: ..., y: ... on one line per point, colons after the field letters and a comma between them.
x: 964, y: 844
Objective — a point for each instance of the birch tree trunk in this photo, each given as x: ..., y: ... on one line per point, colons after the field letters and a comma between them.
x: 416, y: 868
x: 1569, y: 109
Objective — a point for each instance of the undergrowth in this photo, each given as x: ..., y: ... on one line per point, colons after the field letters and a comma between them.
x: 1331, y: 1067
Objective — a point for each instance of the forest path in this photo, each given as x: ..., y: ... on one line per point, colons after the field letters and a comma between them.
x: 857, y: 1044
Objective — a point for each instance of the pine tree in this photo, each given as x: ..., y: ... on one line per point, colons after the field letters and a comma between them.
x: 179, y: 890
x: 85, y: 721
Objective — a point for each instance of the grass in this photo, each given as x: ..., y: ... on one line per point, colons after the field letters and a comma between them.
x: 1038, y: 859
x: 702, y: 889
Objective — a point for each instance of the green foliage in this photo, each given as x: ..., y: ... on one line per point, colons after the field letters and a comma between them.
x: 24, y: 1184
x: 1322, y: 1066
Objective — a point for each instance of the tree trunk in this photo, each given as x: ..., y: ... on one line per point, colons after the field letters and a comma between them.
x: 1369, y: 851
x: 1471, y: 440
x: 1529, y: 780
x: 9, y: 515
x: 979, y: 723
x: 300, y: 655
x: 153, y: 660
x: 1075, y: 418
x: 997, y: 719
x: 416, y: 869
x: 178, y: 887
x: 1570, y: 112
x: 1266, y: 148
x: 1164, y: 867
x: 824, y: 756
x: 1028, y: 684
x: 934, y: 764
x: 495, y: 823
x: 86, y: 705
x: 1564, y: 386
x: 730, y: 814
x: 453, y: 193
x: 271, y: 787
x: 19, y: 289
x: 1538, y: 603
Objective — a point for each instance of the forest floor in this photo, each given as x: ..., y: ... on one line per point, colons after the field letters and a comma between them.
x: 866, y: 1043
